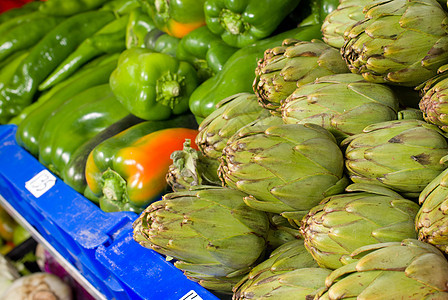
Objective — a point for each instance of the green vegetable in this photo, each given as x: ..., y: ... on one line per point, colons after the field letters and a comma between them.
x: 347, y: 13
x: 237, y: 74
x: 403, y: 155
x: 290, y: 272
x: 161, y: 42
x: 151, y: 85
x: 109, y: 39
x: 28, y: 131
x: 177, y: 18
x: 25, y: 35
x: 433, y: 102
x: 293, y: 64
x: 342, y: 223
x: 44, y: 57
x: 230, y: 115
x: 212, y: 234
x: 76, y: 121
x: 432, y: 216
x: 271, y: 162
x: 241, y: 23
x: 69, y: 7
x: 206, y: 51
x: 73, y: 173
x: 9, y: 66
x: 392, y: 44
x: 407, y: 270
x: 19, y: 11
x: 191, y: 168
x: 344, y: 104
x: 139, y: 25
x: 121, y: 7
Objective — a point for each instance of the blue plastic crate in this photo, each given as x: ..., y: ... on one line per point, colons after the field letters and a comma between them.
x: 98, y: 244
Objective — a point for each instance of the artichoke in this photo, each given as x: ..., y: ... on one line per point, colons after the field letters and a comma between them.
x: 297, y: 284
x: 213, y: 236
x: 271, y: 278
x: 284, y: 68
x: 280, y: 232
x: 231, y: 114
x: 434, y: 101
x: 190, y: 168
x: 285, y: 167
x: 343, y: 104
x: 398, y: 42
x: 403, y: 155
x: 398, y: 270
x: 342, y: 223
x: 432, y: 219
x: 344, y: 16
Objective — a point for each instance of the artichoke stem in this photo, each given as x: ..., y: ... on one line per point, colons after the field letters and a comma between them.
x: 114, y: 186
x: 232, y: 22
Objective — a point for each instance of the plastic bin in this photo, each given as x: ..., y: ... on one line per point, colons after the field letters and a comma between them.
x: 98, y: 244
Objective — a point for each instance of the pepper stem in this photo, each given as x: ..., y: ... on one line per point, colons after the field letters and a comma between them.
x: 169, y: 89
x: 162, y: 8
x: 232, y: 22
x: 114, y: 187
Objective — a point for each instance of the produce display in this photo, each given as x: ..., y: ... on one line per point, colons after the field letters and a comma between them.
x: 268, y: 149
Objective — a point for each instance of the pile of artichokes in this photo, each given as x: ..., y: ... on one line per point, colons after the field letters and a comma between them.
x: 326, y: 182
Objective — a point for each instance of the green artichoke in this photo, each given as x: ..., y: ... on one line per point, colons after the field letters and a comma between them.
x: 285, y: 167
x: 342, y: 223
x: 213, y: 236
x: 432, y: 219
x: 407, y: 270
x: 403, y: 155
x: 284, y: 68
x: 434, y: 100
x: 398, y: 42
x: 297, y: 284
x: 344, y: 16
x: 271, y: 278
x: 190, y: 168
x: 280, y: 232
x: 343, y: 104
x: 231, y: 114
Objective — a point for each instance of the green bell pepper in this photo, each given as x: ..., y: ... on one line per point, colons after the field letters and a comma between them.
x: 27, y: 34
x: 206, y: 51
x: 30, y: 126
x: 139, y: 25
x: 177, y: 18
x: 75, y: 122
x: 241, y: 23
x: 109, y: 39
x: 238, y: 74
x: 160, y: 41
x: 319, y: 11
x: 44, y: 57
x: 152, y: 85
x: 69, y: 7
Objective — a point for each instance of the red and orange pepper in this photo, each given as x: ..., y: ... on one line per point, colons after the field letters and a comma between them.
x: 127, y: 171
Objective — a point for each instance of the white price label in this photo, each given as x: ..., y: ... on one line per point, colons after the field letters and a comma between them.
x: 191, y: 295
x: 41, y: 183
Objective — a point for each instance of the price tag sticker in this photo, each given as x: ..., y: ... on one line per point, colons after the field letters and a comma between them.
x: 191, y: 295
x: 40, y: 183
